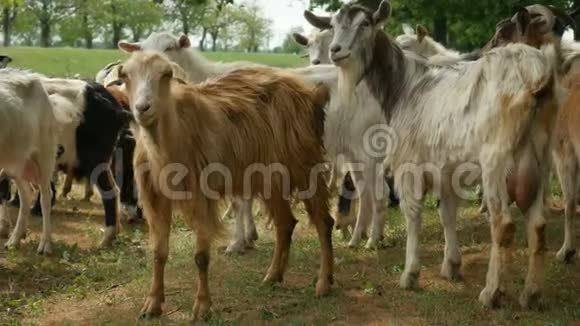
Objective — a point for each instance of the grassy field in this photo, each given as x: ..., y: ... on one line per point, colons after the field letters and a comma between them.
x: 68, y: 62
x: 81, y: 285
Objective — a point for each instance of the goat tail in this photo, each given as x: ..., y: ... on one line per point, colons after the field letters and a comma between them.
x: 321, y: 95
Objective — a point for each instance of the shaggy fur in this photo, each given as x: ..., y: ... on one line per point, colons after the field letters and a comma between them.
x: 353, y: 121
x: 252, y: 116
x: 498, y: 100
x: 345, y: 135
x: 566, y: 151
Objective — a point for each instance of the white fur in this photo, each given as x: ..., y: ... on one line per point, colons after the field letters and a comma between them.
x: 427, y: 47
x: 29, y: 129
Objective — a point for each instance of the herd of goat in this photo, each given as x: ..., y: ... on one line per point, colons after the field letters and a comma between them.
x: 189, y: 129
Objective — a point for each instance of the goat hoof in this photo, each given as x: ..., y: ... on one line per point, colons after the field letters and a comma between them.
x: 201, y: 309
x: 354, y: 241
x: 152, y: 308
x: 373, y: 244
x: 252, y: 235
x: 491, y: 298
x: 531, y: 299
x: 322, y: 288
x: 14, y: 241
x: 482, y: 209
x: 452, y: 271
x: 109, y: 237
x: 410, y: 280
x: 236, y: 248
x: 566, y: 255
x: 273, y: 277
x: 45, y: 247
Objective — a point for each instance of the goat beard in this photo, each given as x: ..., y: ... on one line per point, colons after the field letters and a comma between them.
x: 348, y: 79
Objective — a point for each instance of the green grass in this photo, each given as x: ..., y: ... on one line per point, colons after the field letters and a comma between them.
x: 79, y: 284
x: 69, y: 62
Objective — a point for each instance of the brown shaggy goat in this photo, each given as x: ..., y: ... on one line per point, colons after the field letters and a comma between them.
x: 199, y: 143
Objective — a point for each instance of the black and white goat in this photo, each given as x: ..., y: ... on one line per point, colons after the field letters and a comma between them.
x: 89, y: 140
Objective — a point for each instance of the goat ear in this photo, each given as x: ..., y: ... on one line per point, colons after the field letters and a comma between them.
x: 321, y: 22
x: 117, y: 82
x: 300, y: 39
x: 522, y: 19
x: 422, y: 32
x: 129, y: 47
x: 383, y: 12
x: 178, y: 72
x: 184, y: 42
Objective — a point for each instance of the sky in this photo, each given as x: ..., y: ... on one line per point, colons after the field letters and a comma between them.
x: 285, y: 15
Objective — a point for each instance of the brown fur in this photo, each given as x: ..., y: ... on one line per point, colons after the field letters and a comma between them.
x: 567, y: 156
x: 528, y: 182
x: 120, y: 95
x: 249, y: 116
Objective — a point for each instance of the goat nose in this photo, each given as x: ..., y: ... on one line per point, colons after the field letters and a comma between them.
x: 316, y: 62
x: 335, y: 48
x: 142, y: 108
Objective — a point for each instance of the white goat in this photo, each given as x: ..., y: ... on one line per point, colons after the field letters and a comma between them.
x: 420, y: 42
x: 346, y: 131
x: 29, y: 129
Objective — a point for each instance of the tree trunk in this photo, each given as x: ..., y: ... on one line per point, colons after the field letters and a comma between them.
x: 117, y: 27
x: 45, y: 40
x: 202, y: 41
x: 136, y: 35
x: 7, y: 26
x: 440, y: 28
x: 184, y: 24
x: 88, y: 36
x: 577, y: 21
x: 117, y: 34
x: 214, y: 38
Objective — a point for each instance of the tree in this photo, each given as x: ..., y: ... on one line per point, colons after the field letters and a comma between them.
x: 142, y: 17
x: 254, y: 28
x: 10, y: 9
x: 25, y: 29
x: 213, y: 21
x: 82, y: 24
x: 47, y: 13
x: 189, y: 13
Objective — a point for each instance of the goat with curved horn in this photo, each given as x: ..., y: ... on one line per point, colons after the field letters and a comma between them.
x: 321, y: 22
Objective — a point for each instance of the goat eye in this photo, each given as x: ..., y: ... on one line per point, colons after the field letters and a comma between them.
x: 168, y: 74
x: 365, y: 23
